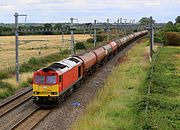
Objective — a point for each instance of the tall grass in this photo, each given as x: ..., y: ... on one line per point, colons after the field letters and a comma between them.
x: 9, y: 86
x: 36, y: 63
x: 113, y: 108
x: 163, y: 101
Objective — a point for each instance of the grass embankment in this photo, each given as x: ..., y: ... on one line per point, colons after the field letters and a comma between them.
x: 163, y: 101
x: 122, y: 103
x: 114, y: 106
x: 8, y: 85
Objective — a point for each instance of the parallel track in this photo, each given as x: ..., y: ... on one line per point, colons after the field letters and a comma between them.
x: 30, y: 120
x: 15, y: 100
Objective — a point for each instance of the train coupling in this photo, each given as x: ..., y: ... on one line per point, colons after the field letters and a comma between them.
x: 35, y: 98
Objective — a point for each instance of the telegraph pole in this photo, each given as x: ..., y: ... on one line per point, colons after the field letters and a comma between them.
x: 108, y: 29
x: 62, y: 35
x: 117, y: 28
x: 120, y: 24
x: 72, y: 37
x: 125, y: 20
x: 95, y: 37
x: 16, y: 15
x: 90, y: 30
x: 151, y: 37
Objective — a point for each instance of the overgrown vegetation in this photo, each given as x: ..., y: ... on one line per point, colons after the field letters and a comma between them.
x: 124, y: 102
x: 172, y: 38
x: 36, y: 63
x: 5, y: 89
x: 80, y: 45
x: 113, y: 108
x: 163, y: 101
x: 99, y: 38
x: 169, y: 34
x: 8, y: 85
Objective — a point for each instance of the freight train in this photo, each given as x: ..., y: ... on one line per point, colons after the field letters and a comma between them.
x: 54, y: 83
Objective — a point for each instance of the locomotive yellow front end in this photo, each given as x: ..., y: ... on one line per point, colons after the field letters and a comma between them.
x: 45, y: 88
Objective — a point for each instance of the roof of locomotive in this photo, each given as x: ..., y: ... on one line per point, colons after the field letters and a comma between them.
x: 63, y: 65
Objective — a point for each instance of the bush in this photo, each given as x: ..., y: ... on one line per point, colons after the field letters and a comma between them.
x: 5, y: 90
x: 100, y: 38
x: 24, y: 84
x: 80, y: 45
x: 172, y: 38
x: 159, y: 37
x: 90, y: 40
x: 3, y: 75
x: 65, y: 51
x: 33, y: 60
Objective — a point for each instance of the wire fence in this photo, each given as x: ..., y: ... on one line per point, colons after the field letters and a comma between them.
x: 150, y: 75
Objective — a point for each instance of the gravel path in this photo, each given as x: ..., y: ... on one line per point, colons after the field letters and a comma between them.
x: 65, y: 114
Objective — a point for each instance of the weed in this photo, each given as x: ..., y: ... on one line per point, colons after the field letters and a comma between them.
x: 113, y: 108
x: 163, y: 101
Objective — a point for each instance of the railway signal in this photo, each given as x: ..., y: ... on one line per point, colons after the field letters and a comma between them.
x: 16, y: 15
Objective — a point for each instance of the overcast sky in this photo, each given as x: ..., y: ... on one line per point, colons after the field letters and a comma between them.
x: 88, y: 10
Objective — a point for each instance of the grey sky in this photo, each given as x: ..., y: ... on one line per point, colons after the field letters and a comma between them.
x: 88, y: 10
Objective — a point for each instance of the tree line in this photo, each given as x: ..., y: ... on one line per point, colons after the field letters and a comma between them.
x: 9, y: 31
x: 170, y: 33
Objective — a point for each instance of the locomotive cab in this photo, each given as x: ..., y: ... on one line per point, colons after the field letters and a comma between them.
x: 45, y: 83
x: 46, y: 87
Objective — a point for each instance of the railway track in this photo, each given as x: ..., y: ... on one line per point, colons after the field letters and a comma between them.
x: 27, y: 121
x: 30, y: 120
x: 15, y: 100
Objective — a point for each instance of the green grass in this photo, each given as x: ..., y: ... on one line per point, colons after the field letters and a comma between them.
x: 5, y: 90
x: 33, y: 64
x: 121, y: 104
x: 36, y: 63
x: 114, y: 106
x: 163, y: 102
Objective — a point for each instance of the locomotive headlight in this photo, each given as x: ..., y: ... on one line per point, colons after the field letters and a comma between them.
x: 54, y: 93
x: 35, y: 92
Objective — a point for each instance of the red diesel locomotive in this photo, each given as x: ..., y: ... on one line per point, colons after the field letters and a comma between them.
x: 53, y: 83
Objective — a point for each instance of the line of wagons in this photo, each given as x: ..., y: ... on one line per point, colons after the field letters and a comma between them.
x: 53, y: 83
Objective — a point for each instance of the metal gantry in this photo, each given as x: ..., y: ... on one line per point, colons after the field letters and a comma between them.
x: 73, y: 51
x: 16, y: 15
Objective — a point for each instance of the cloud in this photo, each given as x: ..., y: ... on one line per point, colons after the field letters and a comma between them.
x: 6, y: 7
x: 59, y: 10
